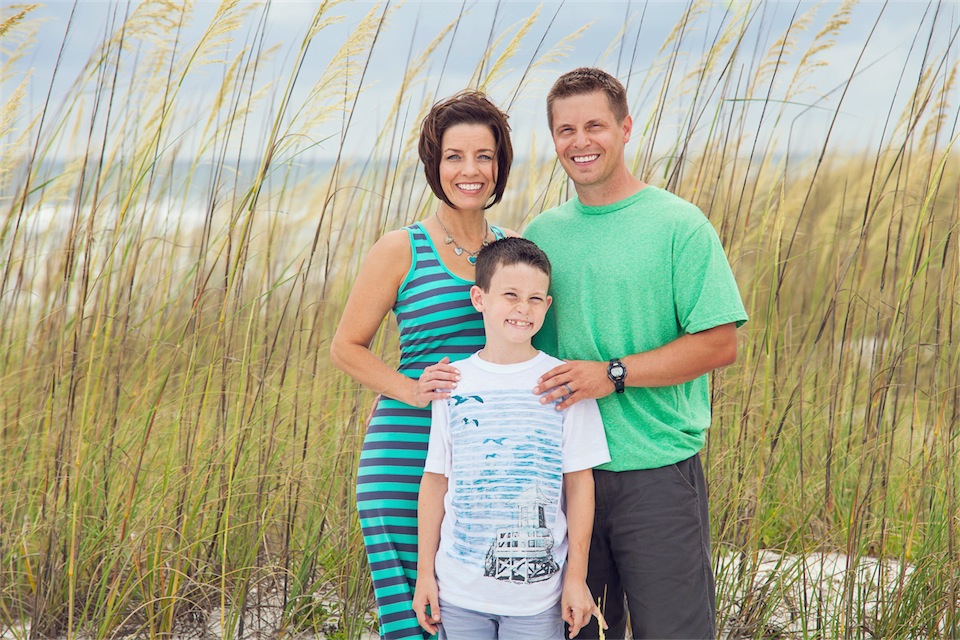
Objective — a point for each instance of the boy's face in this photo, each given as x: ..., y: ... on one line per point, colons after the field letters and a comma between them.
x: 514, y: 307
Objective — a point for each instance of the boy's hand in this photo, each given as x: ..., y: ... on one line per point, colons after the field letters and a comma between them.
x: 577, y: 605
x: 573, y: 381
x: 427, y: 595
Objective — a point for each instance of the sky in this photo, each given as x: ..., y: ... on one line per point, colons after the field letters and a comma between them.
x: 623, y: 37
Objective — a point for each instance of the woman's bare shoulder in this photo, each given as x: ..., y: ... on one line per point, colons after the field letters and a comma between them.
x: 390, y: 256
x: 394, y: 241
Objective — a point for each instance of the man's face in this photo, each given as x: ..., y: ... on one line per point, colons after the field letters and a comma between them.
x: 588, y: 139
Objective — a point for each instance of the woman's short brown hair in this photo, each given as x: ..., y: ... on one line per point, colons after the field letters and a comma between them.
x: 588, y: 80
x: 466, y: 107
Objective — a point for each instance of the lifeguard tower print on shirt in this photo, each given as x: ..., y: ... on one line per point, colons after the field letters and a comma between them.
x: 523, y: 553
x: 509, y: 479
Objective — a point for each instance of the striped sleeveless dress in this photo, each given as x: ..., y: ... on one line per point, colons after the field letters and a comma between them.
x: 435, y: 319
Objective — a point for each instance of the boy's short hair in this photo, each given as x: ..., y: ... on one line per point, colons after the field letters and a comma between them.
x: 466, y: 107
x: 584, y: 80
x: 505, y: 252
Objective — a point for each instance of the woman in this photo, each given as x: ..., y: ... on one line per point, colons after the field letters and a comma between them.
x: 423, y: 273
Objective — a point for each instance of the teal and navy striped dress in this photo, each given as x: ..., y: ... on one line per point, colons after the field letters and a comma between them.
x: 436, y: 319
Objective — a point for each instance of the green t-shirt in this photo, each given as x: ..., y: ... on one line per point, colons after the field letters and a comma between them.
x: 627, y: 278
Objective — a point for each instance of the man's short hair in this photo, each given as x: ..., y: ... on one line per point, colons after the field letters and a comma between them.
x: 466, y: 107
x: 586, y: 80
x: 505, y: 252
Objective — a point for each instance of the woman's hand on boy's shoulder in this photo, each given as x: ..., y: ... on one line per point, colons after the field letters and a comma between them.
x: 435, y: 383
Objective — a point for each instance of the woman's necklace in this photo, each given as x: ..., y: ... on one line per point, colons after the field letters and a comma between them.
x: 457, y: 249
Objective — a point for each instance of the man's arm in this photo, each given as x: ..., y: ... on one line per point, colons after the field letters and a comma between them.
x: 577, y: 603
x: 686, y: 358
x: 433, y: 488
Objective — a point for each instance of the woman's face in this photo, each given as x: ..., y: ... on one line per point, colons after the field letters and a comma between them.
x: 468, y: 165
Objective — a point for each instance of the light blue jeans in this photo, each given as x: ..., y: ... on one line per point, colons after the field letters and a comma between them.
x: 464, y: 624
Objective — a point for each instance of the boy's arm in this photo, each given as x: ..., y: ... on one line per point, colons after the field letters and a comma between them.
x: 430, y: 510
x: 576, y: 602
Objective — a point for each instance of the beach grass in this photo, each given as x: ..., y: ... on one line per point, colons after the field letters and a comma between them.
x: 179, y: 452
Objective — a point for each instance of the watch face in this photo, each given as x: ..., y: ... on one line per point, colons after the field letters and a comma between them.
x: 616, y: 371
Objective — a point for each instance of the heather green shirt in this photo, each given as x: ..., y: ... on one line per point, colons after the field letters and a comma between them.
x: 630, y: 277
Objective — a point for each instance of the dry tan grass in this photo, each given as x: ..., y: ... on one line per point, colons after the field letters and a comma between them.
x: 176, y: 442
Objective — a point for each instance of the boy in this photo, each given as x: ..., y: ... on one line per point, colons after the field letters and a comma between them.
x: 507, y: 495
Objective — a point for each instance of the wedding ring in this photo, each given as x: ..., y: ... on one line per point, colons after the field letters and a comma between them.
x: 569, y: 390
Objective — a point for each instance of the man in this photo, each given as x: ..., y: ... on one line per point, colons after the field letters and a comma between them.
x: 646, y: 306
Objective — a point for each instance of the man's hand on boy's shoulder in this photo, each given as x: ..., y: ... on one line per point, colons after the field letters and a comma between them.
x: 573, y: 381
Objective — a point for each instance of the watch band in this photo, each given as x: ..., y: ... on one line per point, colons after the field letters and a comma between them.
x: 617, y: 373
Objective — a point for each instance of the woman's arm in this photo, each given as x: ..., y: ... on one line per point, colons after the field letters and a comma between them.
x: 373, y: 295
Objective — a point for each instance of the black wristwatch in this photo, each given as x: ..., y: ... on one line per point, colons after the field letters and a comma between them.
x: 617, y: 373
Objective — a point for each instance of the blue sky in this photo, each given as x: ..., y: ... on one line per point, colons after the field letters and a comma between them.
x: 887, y: 59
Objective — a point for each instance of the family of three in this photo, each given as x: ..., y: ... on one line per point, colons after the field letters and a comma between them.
x: 532, y: 468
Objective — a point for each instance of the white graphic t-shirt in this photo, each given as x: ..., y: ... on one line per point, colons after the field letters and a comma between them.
x: 503, y: 540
